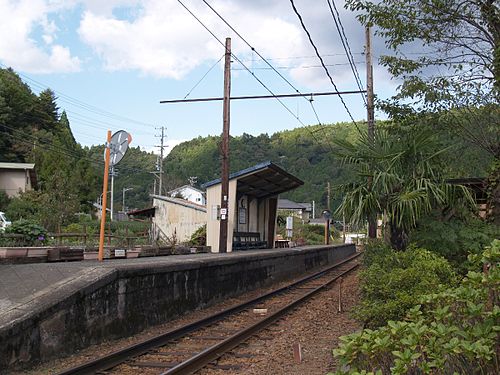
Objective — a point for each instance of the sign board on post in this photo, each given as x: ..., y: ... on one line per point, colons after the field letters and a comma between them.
x: 289, y: 226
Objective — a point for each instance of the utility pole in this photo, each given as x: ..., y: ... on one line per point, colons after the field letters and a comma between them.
x: 328, y: 195
x: 161, y: 159
x: 225, y: 150
x: 111, y: 204
x: 370, y: 115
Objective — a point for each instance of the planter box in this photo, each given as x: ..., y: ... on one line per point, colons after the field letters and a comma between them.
x: 15, y: 252
x: 133, y: 253
x: 91, y: 255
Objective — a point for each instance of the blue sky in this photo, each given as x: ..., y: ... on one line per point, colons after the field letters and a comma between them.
x: 111, y: 62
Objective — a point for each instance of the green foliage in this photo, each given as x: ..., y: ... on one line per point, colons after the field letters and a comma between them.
x: 4, y: 201
x: 391, y: 282
x: 199, y: 237
x: 454, y: 239
x: 454, y: 331
x: 33, y: 233
x: 398, y: 174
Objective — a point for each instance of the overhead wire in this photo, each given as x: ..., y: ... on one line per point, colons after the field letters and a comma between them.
x: 202, y: 78
x: 242, y: 64
x: 309, y: 99
x: 345, y: 43
x: 323, y: 63
x: 45, y: 144
x: 82, y: 104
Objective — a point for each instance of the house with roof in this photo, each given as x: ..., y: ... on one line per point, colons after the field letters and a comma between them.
x: 16, y: 178
x: 189, y: 193
x: 302, y: 211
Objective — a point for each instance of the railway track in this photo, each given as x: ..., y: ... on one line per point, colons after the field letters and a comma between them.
x: 189, y: 348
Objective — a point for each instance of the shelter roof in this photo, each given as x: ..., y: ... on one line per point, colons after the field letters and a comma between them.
x: 30, y: 167
x: 262, y: 180
x: 185, y: 187
x: 146, y: 212
x: 476, y: 184
x: 287, y: 204
x: 17, y: 165
x: 180, y: 202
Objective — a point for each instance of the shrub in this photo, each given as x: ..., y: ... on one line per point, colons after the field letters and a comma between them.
x: 455, y: 239
x: 455, y: 331
x: 392, y: 281
x: 33, y: 233
x: 199, y: 237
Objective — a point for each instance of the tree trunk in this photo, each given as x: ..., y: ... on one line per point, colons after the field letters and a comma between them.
x: 399, y: 238
x: 493, y: 188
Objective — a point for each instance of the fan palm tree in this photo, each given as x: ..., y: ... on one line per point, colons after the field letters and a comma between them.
x: 399, y: 175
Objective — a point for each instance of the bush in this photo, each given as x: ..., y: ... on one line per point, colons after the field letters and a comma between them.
x: 455, y: 239
x: 199, y: 237
x: 455, y: 331
x: 33, y: 233
x: 391, y: 282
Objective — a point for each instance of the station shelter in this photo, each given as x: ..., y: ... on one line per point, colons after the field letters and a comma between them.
x: 252, y: 205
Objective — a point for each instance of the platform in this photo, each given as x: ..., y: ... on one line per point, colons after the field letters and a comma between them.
x: 48, y: 310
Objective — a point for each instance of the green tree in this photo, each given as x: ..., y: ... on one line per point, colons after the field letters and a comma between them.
x: 455, y: 72
x: 397, y: 175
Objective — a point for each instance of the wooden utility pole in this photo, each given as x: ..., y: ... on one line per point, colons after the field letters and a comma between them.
x: 224, y: 212
x: 370, y: 108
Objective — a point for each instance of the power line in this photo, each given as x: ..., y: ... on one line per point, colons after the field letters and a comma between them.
x: 78, y: 103
x: 345, y: 44
x: 322, y: 62
x: 45, y: 145
x: 241, y: 62
x: 303, y: 67
x: 265, y: 60
x: 202, y: 78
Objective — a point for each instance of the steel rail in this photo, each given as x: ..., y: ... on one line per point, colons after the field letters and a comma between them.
x: 118, y: 357
x: 207, y: 356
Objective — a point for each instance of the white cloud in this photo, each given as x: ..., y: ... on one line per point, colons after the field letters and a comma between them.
x: 18, y: 20
x: 164, y: 40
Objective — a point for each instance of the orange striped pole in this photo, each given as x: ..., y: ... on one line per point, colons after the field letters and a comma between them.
x: 104, y: 199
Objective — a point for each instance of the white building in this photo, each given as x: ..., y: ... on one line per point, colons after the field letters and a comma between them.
x: 189, y: 193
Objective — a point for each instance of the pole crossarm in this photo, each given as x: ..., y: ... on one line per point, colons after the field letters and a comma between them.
x: 310, y: 96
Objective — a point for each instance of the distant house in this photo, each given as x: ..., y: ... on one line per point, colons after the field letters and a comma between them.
x: 301, y: 210
x: 17, y: 177
x: 189, y: 193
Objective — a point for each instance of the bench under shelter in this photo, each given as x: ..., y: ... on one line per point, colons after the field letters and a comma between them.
x: 252, y: 206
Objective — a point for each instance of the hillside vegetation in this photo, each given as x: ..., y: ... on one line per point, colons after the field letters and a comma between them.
x: 33, y: 129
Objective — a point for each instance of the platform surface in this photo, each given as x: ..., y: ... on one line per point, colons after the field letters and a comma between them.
x: 21, y: 284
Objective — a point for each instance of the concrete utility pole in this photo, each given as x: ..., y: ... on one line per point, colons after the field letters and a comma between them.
x: 161, y: 159
x: 225, y: 150
x: 370, y: 115
x: 328, y: 195
x: 111, y: 199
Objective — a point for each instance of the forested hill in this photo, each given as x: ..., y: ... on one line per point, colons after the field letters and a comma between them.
x: 33, y: 129
x: 304, y: 152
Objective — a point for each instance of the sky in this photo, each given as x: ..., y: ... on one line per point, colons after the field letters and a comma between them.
x: 111, y: 62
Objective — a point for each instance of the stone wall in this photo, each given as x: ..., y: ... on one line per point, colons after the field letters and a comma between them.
x: 107, y: 303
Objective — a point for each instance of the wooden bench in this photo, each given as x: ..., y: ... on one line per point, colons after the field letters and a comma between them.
x: 247, y: 241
